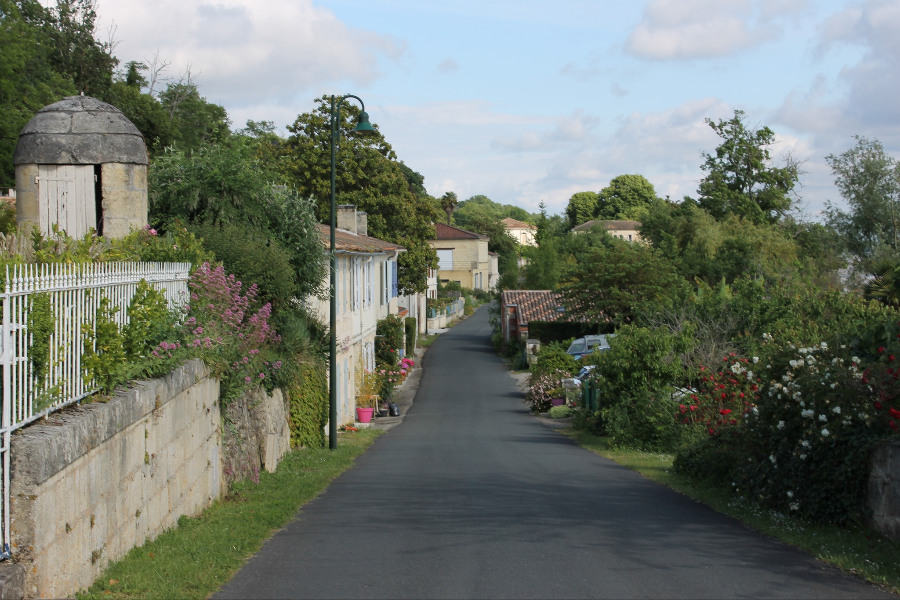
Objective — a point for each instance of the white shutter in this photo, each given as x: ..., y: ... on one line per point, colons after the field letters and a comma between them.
x: 445, y: 260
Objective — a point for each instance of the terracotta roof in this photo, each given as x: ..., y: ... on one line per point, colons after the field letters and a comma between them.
x: 610, y: 225
x: 351, y: 242
x: 511, y: 223
x: 535, y: 305
x: 449, y: 232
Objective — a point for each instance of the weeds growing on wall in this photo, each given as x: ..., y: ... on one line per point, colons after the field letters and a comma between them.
x: 307, y: 390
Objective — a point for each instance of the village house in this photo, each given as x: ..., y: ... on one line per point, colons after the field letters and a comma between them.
x: 463, y: 257
x: 625, y: 230
x: 518, y: 308
x: 522, y: 232
x: 366, y: 291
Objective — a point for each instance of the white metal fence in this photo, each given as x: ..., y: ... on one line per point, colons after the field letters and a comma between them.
x: 74, y: 293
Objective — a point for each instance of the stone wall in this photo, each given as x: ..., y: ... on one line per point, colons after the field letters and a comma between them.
x: 884, y: 490
x: 95, y: 480
x: 124, y: 189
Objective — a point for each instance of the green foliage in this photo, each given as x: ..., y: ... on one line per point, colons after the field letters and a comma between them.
x: 302, y: 334
x: 194, y: 121
x: 582, y: 208
x: 626, y: 197
x: 307, y: 391
x: 388, y: 340
x: 560, y: 412
x: 369, y: 177
x: 104, y: 359
x: 500, y: 242
x: 558, y: 331
x: 643, y: 420
x: 412, y: 332
x: 553, y: 358
x: 253, y: 256
x: 482, y: 208
x: 740, y: 179
x: 8, y: 218
x: 868, y: 179
x: 149, y: 321
x: 40, y: 324
x: 145, y: 111
x: 611, y: 281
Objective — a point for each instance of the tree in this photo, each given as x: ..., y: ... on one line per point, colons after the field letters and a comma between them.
x: 626, y: 197
x: 869, y: 181
x: 194, y: 121
x: 482, y: 207
x: 503, y: 244
x: 740, y: 178
x: 581, y: 208
x: 368, y: 176
x: 449, y: 202
x: 613, y: 280
x: 76, y: 51
x: 144, y: 110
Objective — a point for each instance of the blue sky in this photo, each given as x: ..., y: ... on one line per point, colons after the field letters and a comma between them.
x: 534, y: 100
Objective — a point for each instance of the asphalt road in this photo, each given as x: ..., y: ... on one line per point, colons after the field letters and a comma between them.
x: 471, y: 497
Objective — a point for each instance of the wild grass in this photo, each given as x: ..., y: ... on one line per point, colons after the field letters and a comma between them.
x: 853, y: 549
x: 204, y: 552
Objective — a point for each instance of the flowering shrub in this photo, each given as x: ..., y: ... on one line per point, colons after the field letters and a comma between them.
x: 806, y: 447
x: 543, y: 387
x: 724, y: 398
x: 388, y: 341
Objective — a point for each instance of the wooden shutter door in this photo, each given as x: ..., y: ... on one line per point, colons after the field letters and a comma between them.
x: 66, y: 198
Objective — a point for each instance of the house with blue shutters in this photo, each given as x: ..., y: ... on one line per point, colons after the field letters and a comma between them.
x: 366, y: 292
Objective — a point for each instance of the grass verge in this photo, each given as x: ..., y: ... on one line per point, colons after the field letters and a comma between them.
x: 426, y: 340
x: 855, y: 550
x: 204, y: 552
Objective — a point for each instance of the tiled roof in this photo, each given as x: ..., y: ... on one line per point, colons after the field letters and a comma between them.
x: 449, y: 232
x: 511, y: 223
x: 535, y: 305
x: 351, y: 242
x: 610, y: 225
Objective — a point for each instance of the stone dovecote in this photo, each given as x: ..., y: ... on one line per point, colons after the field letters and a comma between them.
x: 81, y: 164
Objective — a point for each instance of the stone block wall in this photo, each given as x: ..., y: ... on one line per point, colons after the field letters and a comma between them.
x: 96, y: 480
x: 884, y: 490
x: 125, y: 204
x: 27, y: 210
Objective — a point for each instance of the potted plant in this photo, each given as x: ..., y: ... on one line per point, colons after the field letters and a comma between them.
x: 368, y: 386
x: 557, y: 397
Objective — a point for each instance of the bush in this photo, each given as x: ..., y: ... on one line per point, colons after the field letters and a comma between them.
x: 644, y: 420
x: 544, y: 387
x: 714, y: 460
x: 307, y: 392
x: 253, y: 256
x: 560, y: 412
x: 412, y: 331
x: 388, y: 340
x: 554, y: 358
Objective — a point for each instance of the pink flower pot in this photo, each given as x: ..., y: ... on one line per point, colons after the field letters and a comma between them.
x: 554, y: 401
x: 364, y: 415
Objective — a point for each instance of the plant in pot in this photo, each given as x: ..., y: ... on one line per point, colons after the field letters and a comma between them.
x: 557, y: 397
x: 368, y: 386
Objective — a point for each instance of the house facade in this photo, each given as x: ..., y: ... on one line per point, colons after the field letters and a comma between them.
x: 522, y: 232
x: 366, y: 291
x: 625, y: 230
x: 463, y: 257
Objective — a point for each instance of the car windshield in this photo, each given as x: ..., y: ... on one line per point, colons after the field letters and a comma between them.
x: 577, y: 346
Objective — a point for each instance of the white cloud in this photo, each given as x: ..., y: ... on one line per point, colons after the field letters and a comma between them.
x: 250, y: 52
x: 448, y: 65
x: 566, y: 130
x: 690, y: 29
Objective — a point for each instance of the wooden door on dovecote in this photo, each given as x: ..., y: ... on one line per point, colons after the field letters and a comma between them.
x: 67, y: 198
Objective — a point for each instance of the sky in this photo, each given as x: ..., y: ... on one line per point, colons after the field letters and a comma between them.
x: 527, y: 101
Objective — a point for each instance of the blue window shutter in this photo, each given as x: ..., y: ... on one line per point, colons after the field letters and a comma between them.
x: 394, y: 290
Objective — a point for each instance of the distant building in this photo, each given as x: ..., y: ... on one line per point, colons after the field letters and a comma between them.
x: 626, y: 230
x: 8, y: 195
x: 463, y: 257
x: 520, y: 307
x: 520, y: 231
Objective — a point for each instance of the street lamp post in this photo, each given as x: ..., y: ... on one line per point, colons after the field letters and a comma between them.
x: 362, y: 125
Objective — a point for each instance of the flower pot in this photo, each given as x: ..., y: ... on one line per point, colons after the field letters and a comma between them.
x: 364, y: 415
x: 557, y: 401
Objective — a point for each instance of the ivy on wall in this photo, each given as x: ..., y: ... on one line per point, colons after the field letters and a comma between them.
x: 307, y: 390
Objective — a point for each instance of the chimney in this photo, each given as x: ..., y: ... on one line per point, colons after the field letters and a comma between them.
x: 346, y: 217
x: 362, y: 223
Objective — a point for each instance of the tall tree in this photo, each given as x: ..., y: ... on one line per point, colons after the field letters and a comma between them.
x: 740, y: 177
x: 869, y: 181
x: 482, y: 207
x: 503, y: 244
x: 449, y: 202
x: 370, y: 177
x: 581, y: 208
x: 626, y: 197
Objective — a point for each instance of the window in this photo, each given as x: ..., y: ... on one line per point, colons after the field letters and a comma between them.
x: 445, y: 260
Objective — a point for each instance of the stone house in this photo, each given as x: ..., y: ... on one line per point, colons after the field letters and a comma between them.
x: 366, y: 292
x: 626, y: 230
x: 463, y: 257
x: 520, y: 231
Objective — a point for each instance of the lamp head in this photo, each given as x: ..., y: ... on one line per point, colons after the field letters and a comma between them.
x: 362, y: 123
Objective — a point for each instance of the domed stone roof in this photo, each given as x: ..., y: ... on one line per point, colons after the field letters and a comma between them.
x: 80, y: 130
